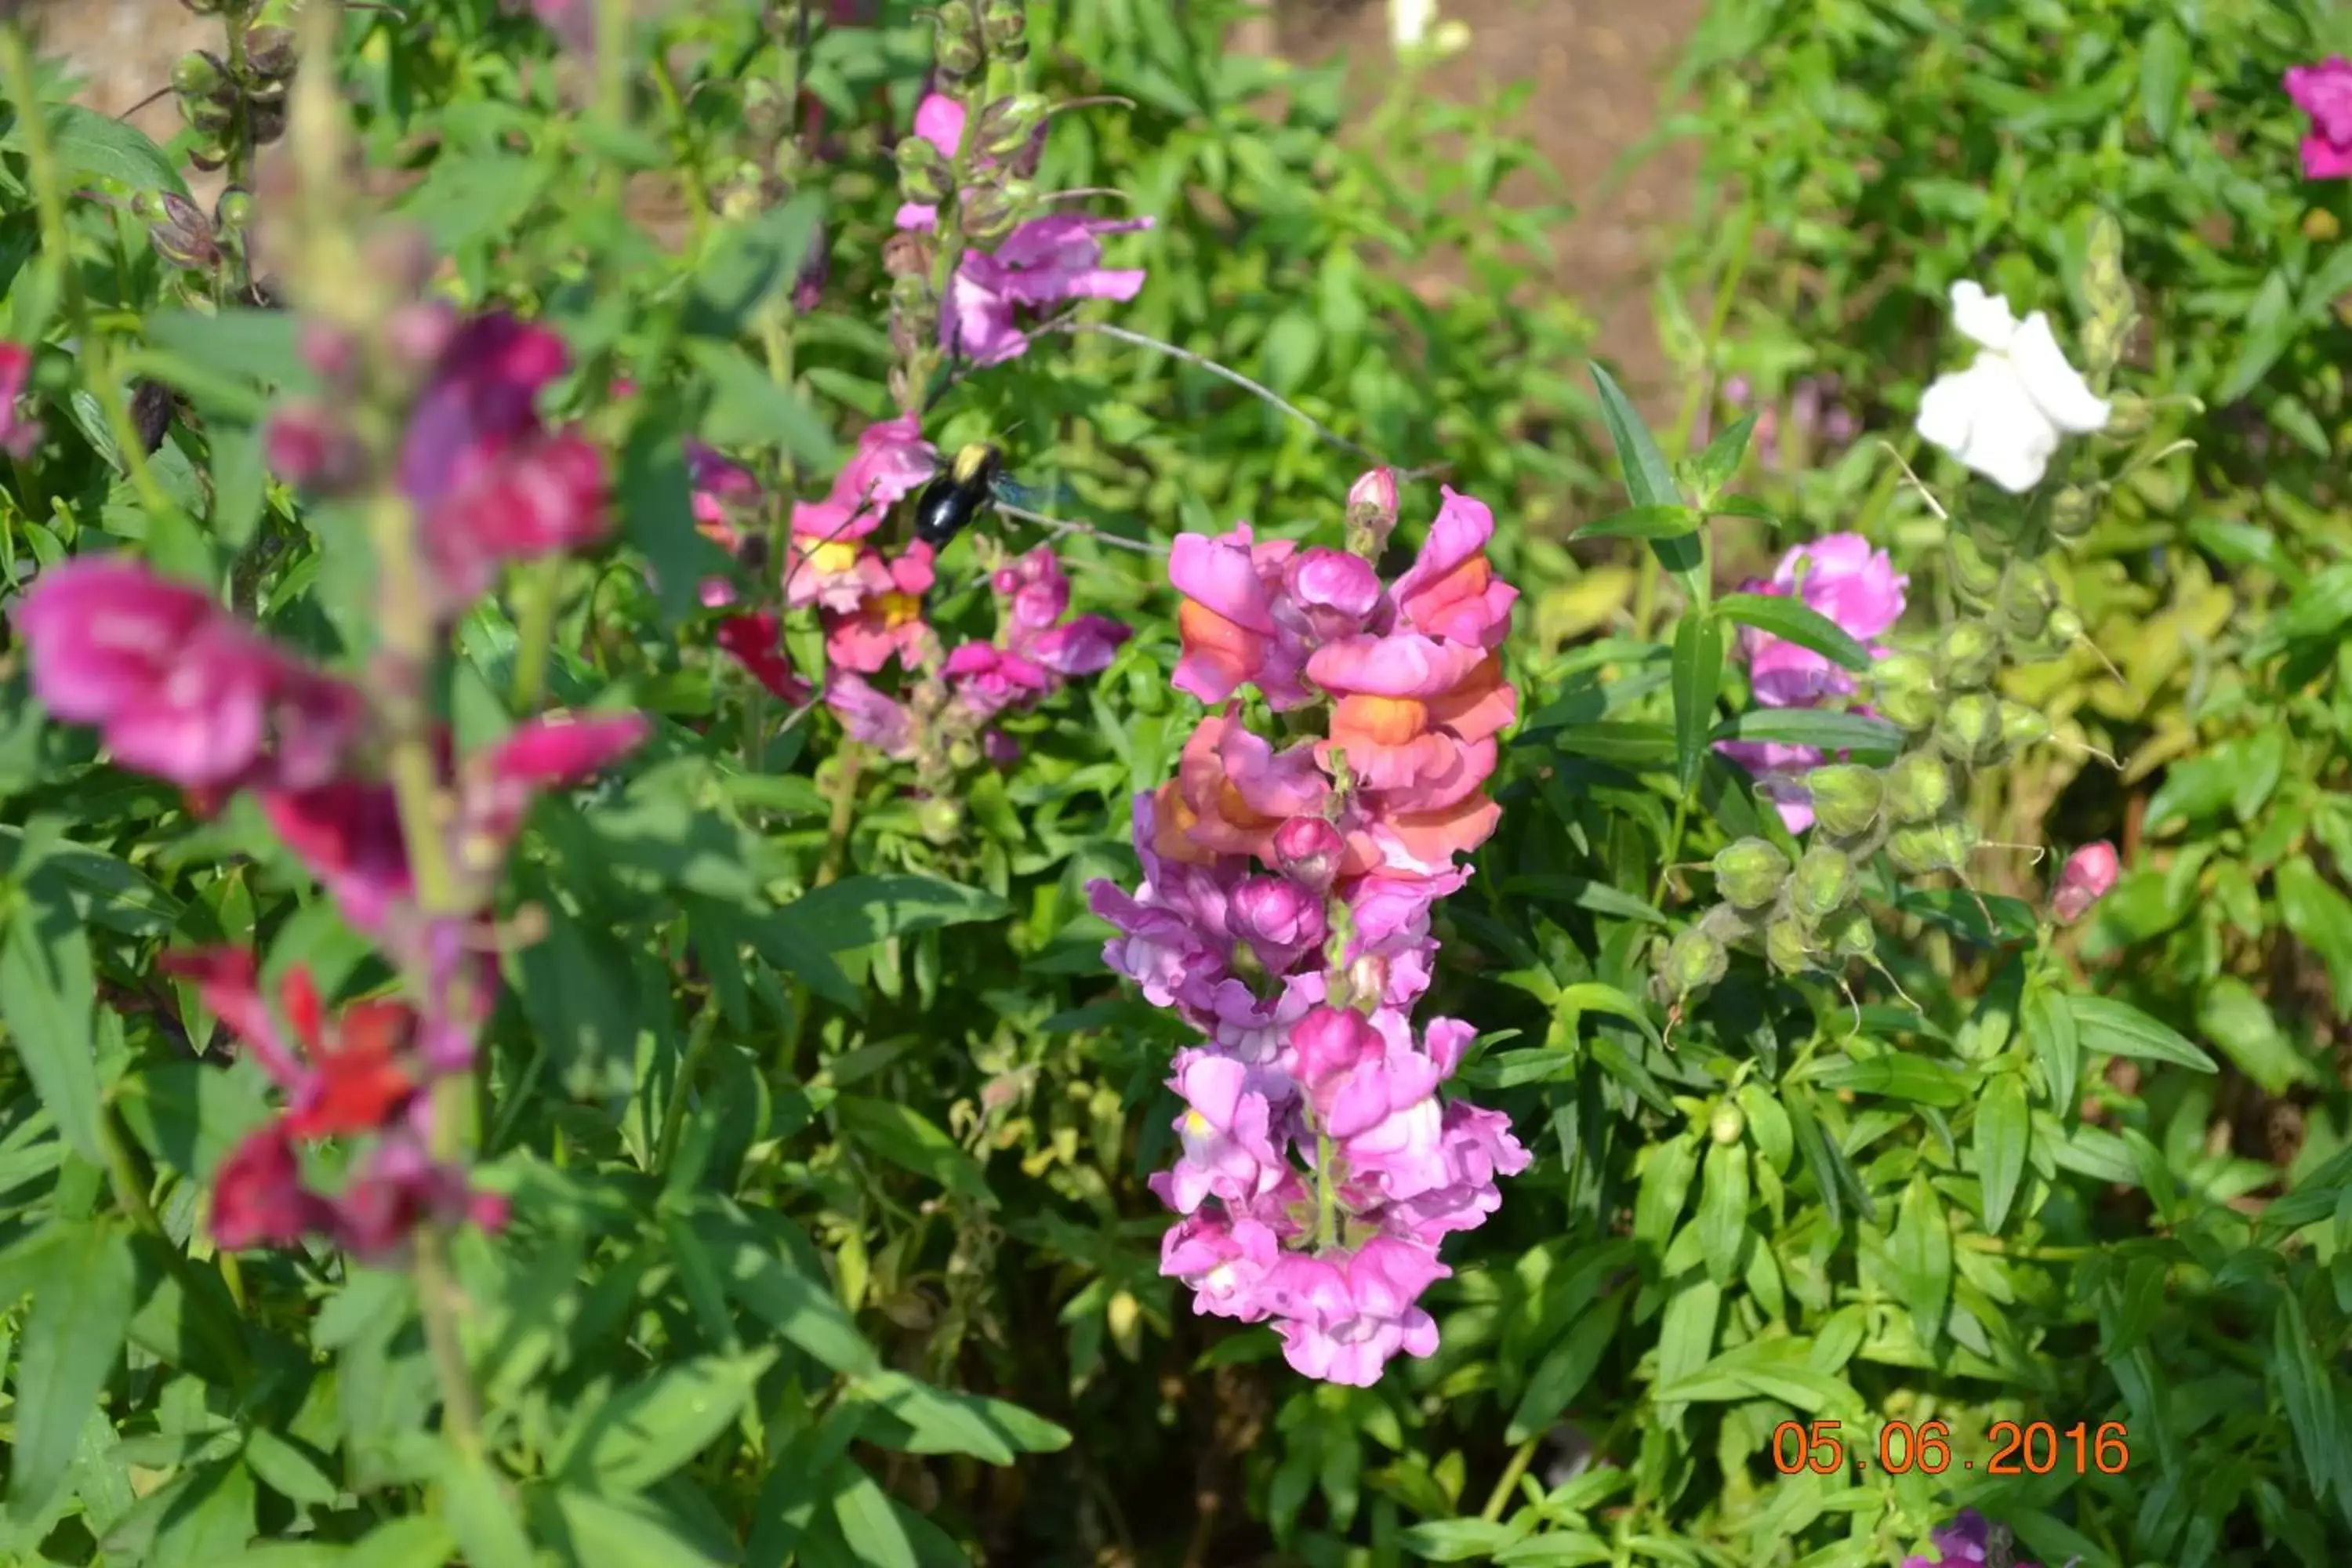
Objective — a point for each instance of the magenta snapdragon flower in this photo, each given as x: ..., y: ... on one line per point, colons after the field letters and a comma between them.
x: 1843, y: 578
x: 2324, y: 92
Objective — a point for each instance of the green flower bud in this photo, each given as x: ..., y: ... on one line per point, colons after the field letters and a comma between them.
x: 2021, y: 726
x: 1693, y: 962
x: 2073, y: 512
x: 1726, y: 925
x: 234, y: 211
x: 2065, y: 626
x: 1918, y: 787
x: 1969, y: 731
x: 986, y: 213
x: 922, y: 171
x: 197, y: 75
x: 1941, y: 846
x: 270, y: 51
x: 939, y: 819
x: 1726, y: 1124
x: 1970, y: 655
x: 1748, y: 873
x: 1974, y: 574
x: 2026, y: 604
x: 1825, y: 882
x: 2129, y: 416
x: 1787, y: 946
x: 1845, y: 798
x: 1903, y: 689
x: 958, y: 51
x: 1008, y: 125
x: 1850, y: 935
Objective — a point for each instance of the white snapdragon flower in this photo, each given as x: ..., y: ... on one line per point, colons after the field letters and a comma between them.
x: 1409, y: 21
x: 2003, y: 416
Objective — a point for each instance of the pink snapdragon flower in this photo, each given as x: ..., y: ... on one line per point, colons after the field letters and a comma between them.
x: 2086, y: 878
x: 1284, y: 914
x: 1966, y: 1543
x: 176, y: 686
x: 2324, y: 92
x: 1843, y: 578
x: 18, y: 436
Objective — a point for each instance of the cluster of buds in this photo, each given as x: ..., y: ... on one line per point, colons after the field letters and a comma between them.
x: 1284, y: 914
x: 186, y: 237
x: 1945, y: 698
x: 239, y: 103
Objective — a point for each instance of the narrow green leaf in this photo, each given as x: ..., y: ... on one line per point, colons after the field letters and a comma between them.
x: 2004, y: 1125
x: 1697, y: 678
x: 47, y: 994
x: 773, y: 1287
x: 480, y: 1513
x: 1650, y: 482
x: 620, y: 1531
x: 942, y: 1421
x: 2308, y: 1390
x: 1459, y: 1540
x: 83, y: 1301
x: 1715, y: 466
x: 647, y: 1429
x: 1921, y: 1252
x: 1723, y: 1210
x: 1868, y: 738
x: 2163, y: 76
x: 1792, y: 620
x: 1565, y: 1368
x: 1645, y: 522
x: 2119, y: 1029
x: 908, y: 1139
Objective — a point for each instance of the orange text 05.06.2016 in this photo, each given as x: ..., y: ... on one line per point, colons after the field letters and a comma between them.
x: 2029, y: 1448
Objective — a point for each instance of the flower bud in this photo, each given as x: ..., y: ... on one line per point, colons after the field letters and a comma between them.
x: 152, y: 406
x: 1372, y: 513
x: 234, y: 212
x: 1940, y: 846
x: 1845, y: 798
x: 986, y: 213
x: 940, y: 818
x: 2021, y: 726
x: 2129, y: 416
x: 270, y: 51
x: 1008, y: 125
x: 181, y: 233
x: 1691, y: 963
x: 957, y: 50
x: 908, y: 254
x: 1726, y: 925
x: 1327, y: 1045
x: 1968, y: 656
x: 1850, y: 933
x: 1825, y: 882
x: 1309, y: 850
x: 1005, y: 25
x: 196, y: 76
x: 1748, y: 873
x: 2073, y: 512
x: 1969, y: 731
x: 2065, y: 626
x: 1726, y: 1124
x: 1275, y: 912
x: 1918, y: 787
x: 1787, y: 946
x: 923, y: 173
x: 2086, y: 878
x: 1974, y: 574
x: 1903, y: 689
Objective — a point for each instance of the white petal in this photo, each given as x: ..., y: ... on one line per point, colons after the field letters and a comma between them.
x: 1980, y: 317
x: 1983, y: 416
x: 2055, y: 386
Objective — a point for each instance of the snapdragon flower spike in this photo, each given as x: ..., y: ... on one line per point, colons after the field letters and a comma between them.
x: 176, y: 686
x: 2324, y: 92
x: 1968, y: 1541
x: 355, y: 1075
x: 1042, y: 262
x: 1841, y: 577
x: 1284, y: 914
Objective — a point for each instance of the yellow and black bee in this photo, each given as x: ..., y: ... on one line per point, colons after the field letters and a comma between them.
x: 973, y: 478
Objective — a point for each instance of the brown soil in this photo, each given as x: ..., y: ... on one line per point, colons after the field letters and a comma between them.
x: 1596, y: 64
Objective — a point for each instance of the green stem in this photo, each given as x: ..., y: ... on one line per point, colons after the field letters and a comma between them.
x: 129, y: 1184
x: 689, y: 1068
x: 41, y: 167
x: 1673, y: 850
x: 535, y: 634
x: 461, y: 1414
x: 849, y: 762
x: 1509, y: 1480
x: 682, y: 147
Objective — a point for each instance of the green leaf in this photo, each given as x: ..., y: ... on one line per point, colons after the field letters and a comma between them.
x: 2057, y: 1045
x: 257, y: 345
x: 1645, y: 522
x: 1870, y: 739
x: 1698, y: 678
x: 1792, y: 620
x: 2307, y: 1389
x: 1565, y: 1368
x: 2270, y: 326
x: 1920, y: 1249
x: 415, y: 1542
x: 2004, y: 1125
x: 858, y: 911
x: 1723, y: 1210
x: 2231, y: 1015
x: 1459, y: 1540
x: 750, y: 409
x: 1650, y: 482
x: 624, y: 1532
x: 88, y: 145
x: 2119, y: 1029
x: 281, y: 1465
x: 942, y: 1421
x: 869, y: 1525
x: 1666, y: 1174
x: 82, y: 1305
x: 908, y: 1139
x: 750, y: 264
x: 47, y: 994
x: 2321, y: 919
x: 479, y: 1513
x: 773, y: 1285
x: 645, y: 1431
x: 191, y: 1115
x: 2163, y: 75
x: 654, y: 498
x: 1721, y: 459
